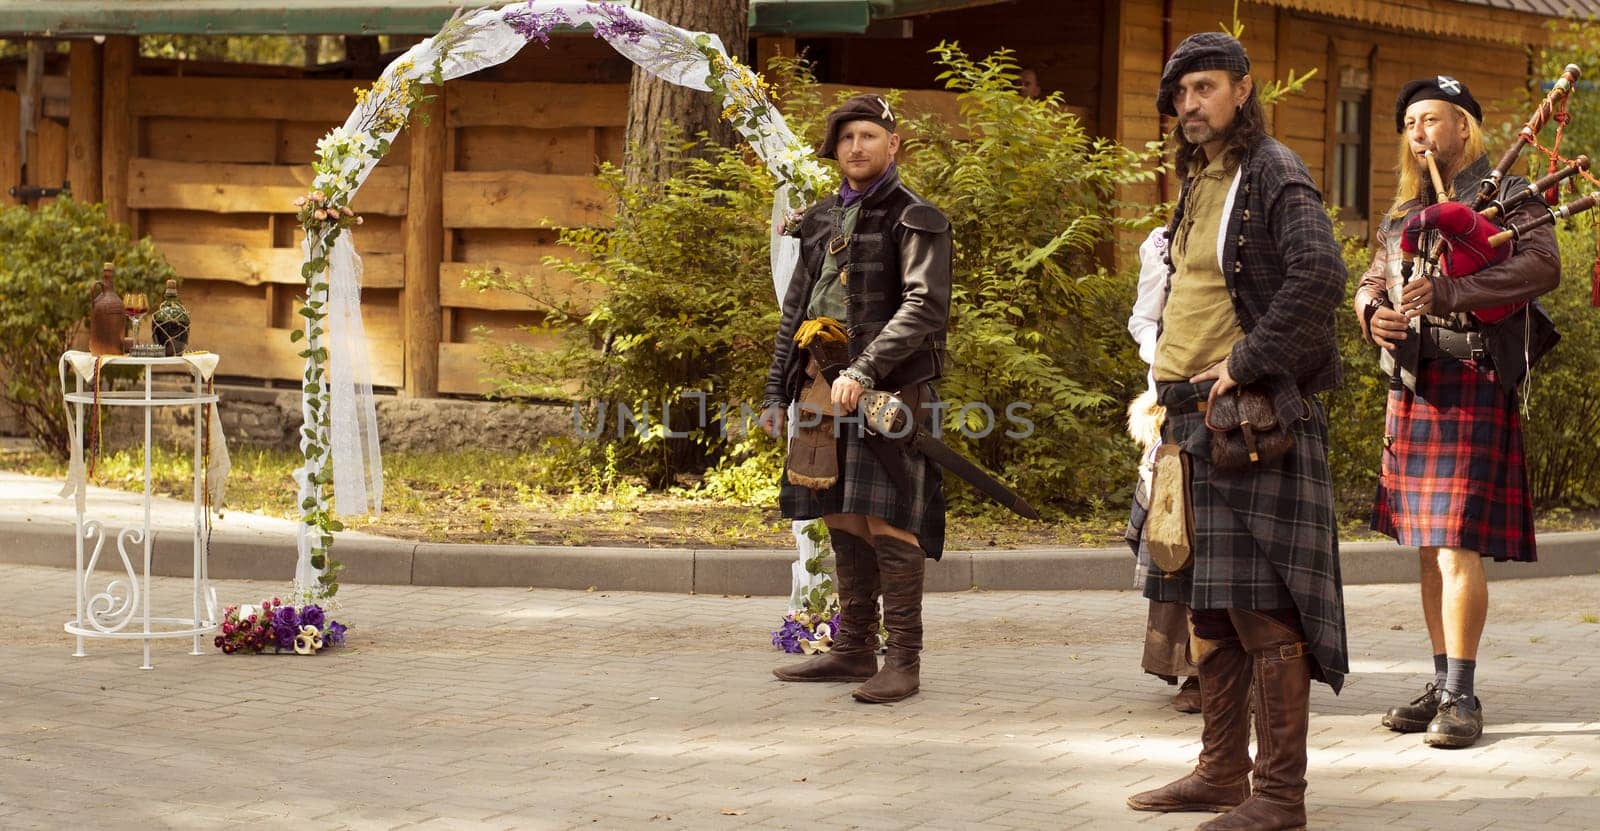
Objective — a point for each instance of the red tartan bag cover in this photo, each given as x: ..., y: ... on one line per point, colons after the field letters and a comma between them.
x: 1466, y: 246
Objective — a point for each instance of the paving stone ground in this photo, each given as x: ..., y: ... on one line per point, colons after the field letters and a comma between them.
x: 536, y: 709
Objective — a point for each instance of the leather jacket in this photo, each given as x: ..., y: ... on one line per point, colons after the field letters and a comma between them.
x: 897, y: 268
x: 1533, y: 268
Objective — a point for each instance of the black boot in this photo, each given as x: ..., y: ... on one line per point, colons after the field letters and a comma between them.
x: 854, y: 656
x: 1414, y: 717
x: 1458, y: 724
x: 900, y: 566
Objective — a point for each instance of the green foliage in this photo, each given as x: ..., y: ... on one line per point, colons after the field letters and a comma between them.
x: 50, y: 260
x: 1570, y: 42
x: 1272, y: 91
x: 686, y: 304
x: 1356, y: 407
x: 684, y: 322
x: 1562, y: 426
x: 1034, y: 319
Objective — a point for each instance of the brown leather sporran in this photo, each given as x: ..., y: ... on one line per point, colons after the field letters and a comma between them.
x: 1246, y: 433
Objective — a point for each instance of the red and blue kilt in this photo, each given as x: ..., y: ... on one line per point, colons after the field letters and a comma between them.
x: 1454, y: 475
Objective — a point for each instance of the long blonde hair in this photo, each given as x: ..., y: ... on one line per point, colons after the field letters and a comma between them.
x: 1411, y: 175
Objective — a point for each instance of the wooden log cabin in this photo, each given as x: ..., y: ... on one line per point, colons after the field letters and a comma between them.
x: 205, y: 157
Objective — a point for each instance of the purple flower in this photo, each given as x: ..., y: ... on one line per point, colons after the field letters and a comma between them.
x: 312, y: 615
x: 334, y: 633
x: 285, y: 625
x: 617, y: 23
x: 789, y: 636
x: 537, y: 25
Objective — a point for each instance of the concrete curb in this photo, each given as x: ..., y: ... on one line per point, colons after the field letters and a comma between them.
x: 264, y: 556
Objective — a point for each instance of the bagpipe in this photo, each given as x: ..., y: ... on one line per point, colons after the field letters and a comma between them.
x: 1467, y: 239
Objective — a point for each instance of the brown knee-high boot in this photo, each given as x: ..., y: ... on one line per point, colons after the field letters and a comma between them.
x: 900, y: 568
x: 1220, y: 778
x: 855, y: 646
x: 1282, y: 692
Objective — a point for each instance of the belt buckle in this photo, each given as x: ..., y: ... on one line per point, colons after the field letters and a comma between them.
x: 1292, y: 651
x: 838, y: 243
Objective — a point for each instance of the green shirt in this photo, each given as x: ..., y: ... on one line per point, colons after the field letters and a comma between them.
x: 827, y: 296
x: 1198, y: 325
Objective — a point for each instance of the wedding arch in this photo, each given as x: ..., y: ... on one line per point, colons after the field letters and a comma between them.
x: 339, y: 440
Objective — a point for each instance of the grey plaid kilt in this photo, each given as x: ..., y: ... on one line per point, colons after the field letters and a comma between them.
x: 866, y: 488
x: 1263, y: 539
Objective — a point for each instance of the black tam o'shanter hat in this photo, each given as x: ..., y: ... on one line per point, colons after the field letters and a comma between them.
x: 1438, y: 88
x: 871, y: 108
x: 1198, y: 53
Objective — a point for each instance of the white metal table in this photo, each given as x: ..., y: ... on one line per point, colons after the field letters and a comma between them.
x: 122, y: 610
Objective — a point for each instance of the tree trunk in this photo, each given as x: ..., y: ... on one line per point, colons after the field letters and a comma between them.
x: 653, y: 103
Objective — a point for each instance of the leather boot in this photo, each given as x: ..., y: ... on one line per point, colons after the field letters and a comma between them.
x: 900, y: 566
x: 1414, y: 717
x: 1282, y: 693
x: 854, y: 656
x: 1220, y: 778
x: 1188, y: 698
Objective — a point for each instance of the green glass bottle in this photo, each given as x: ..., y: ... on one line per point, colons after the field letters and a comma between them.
x: 170, y: 324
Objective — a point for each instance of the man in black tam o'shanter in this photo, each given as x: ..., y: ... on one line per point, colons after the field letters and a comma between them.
x: 866, y: 309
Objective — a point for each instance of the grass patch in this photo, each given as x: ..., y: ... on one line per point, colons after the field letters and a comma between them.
x: 495, y: 497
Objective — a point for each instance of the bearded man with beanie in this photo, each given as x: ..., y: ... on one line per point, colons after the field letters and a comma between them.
x: 866, y: 308
x: 1255, y: 278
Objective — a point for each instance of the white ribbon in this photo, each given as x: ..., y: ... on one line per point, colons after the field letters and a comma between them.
x: 357, y: 464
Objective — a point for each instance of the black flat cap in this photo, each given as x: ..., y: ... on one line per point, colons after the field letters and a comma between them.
x: 1198, y: 53
x: 859, y: 108
x: 1438, y: 88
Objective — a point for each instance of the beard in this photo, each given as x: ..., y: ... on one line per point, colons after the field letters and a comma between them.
x: 1199, y: 132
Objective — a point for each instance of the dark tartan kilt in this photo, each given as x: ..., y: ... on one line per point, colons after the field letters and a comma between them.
x: 865, y: 487
x: 1454, y: 475
x: 1264, y: 539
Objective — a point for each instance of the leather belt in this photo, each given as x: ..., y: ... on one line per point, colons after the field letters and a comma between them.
x: 1439, y: 342
x: 1193, y: 400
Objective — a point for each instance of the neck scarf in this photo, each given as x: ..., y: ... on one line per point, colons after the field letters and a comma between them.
x: 850, y: 195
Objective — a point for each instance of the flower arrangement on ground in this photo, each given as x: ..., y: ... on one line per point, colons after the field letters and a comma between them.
x: 806, y: 633
x: 303, y: 631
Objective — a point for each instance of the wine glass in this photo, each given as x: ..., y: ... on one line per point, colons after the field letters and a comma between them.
x: 135, y: 306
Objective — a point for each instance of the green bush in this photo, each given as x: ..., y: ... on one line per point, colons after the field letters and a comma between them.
x: 1562, y: 425
x: 686, y: 307
x: 687, y: 302
x: 1356, y: 408
x: 1035, y: 319
x: 50, y: 260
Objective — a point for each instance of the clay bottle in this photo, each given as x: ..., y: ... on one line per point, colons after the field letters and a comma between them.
x: 106, y: 319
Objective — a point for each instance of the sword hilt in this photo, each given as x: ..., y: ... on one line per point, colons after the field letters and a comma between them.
x: 886, y: 415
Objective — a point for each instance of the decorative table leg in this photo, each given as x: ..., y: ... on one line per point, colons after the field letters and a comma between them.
x: 148, y: 538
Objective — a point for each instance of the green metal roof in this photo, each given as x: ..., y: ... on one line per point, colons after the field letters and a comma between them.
x: 66, y: 18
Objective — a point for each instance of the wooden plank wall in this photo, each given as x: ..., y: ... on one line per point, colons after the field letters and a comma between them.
x: 1279, y: 40
x: 216, y: 163
x: 522, y: 157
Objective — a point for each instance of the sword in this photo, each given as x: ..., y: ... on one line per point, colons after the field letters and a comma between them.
x: 888, y: 417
